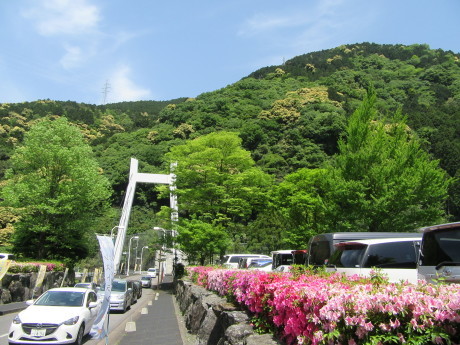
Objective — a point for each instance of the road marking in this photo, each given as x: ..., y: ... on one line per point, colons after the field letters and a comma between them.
x: 4, y: 335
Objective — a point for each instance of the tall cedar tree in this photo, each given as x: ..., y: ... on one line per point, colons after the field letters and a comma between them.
x: 382, y: 180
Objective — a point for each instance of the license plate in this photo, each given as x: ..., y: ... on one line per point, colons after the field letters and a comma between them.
x: 38, y: 332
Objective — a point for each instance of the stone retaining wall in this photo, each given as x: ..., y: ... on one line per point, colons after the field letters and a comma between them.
x: 19, y: 287
x: 214, y: 321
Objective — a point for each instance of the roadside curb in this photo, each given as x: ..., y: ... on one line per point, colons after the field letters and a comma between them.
x: 12, y: 307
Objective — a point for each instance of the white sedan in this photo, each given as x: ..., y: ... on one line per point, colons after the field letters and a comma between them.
x: 58, y: 316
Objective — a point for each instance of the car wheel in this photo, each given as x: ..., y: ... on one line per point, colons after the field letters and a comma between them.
x: 80, y: 334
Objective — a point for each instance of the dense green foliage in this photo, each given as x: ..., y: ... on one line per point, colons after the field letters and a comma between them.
x: 289, y: 125
x: 57, y: 188
x: 382, y: 180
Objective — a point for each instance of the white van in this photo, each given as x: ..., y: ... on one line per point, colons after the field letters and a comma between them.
x: 282, y: 258
x: 395, y: 257
x: 231, y: 260
x: 440, y: 253
x: 322, y: 246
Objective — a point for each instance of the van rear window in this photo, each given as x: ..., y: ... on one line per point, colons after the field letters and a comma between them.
x: 320, y: 253
x: 440, y: 246
x: 348, y: 256
x: 383, y: 255
x: 235, y: 259
x: 392, y: 255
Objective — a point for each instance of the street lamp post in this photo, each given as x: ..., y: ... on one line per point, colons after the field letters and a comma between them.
x: 111, y: 231
x: 159, y: 257
x: 129, y: 253
x: 126, y: 259
x: 142, y: 252
x: 137, y: 258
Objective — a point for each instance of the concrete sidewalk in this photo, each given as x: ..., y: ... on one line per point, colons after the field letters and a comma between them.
x: 158, y: 322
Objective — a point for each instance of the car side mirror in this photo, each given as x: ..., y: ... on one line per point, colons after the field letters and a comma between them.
x: 92, y: 305
x: 30, y: 301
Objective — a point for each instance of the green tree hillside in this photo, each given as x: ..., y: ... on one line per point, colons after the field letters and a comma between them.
x: 57, y: 188
x: 288, y: 127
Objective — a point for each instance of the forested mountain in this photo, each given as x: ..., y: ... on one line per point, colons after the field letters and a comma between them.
x: 288, y: 117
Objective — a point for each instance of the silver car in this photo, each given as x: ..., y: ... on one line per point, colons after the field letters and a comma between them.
x: 121, y: 297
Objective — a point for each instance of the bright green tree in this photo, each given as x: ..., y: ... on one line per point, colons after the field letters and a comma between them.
x: 58, y: 189
x: 201, y: 241
x: 217, y: 183
x: 298, y: 199
x: 217, y: 180
x: 382, y: 180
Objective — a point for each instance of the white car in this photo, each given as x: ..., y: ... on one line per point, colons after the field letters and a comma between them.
x: 93, y: 286
x: 58, y: 316
x: 152, y: 272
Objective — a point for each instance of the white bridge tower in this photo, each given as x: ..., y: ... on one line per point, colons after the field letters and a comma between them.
x: 134, y: 178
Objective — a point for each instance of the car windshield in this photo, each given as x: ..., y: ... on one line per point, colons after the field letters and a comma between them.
x: 118, y: 286
x: 440, y: 246
x: 146, y: 278
x: 61, y: 299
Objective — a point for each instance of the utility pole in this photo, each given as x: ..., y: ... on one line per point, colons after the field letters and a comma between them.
x: 105, y: 91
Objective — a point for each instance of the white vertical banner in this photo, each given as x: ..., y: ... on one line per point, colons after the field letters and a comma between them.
x: 65, y: 276
x: 95, y: 275
x: 40, y: 277
x: 85, y: 274
x: 4, y: 265
x: 99, y: 329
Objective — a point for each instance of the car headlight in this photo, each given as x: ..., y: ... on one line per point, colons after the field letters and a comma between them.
x: 16, y: 320
x: 71, y: 321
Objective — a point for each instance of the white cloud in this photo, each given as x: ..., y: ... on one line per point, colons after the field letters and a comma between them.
x: 313, y: 26
x: 321, y: 14
x: 261, y: 23
x: 72, y: 58
x: 122, y: 88
x: 58, y: 17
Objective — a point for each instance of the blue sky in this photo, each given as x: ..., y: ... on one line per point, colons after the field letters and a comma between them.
x: 160, y: 50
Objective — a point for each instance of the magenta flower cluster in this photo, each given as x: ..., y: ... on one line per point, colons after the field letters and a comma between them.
x: 331, y: 309
x: 27, y: 267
